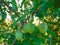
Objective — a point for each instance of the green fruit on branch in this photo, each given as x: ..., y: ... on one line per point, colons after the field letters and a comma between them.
x: 30, y: 28
x: 19, y: 35
x: 42, y: 27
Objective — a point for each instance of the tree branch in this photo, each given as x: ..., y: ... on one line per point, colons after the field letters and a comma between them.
x: 11, y: 9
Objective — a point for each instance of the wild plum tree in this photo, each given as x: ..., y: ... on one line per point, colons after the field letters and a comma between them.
x: 22, y: 27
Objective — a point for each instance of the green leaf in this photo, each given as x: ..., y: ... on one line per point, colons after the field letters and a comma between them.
x: 58, y: 38
x: 26, y: 41
x: 39, y: 41
x: 36, y: 6
x: 19, y: 19
x: 51, y: 33
x: 3, y: 16
x: 14, y: 8
x: 13, y: 17
x: 57, y: 4
x: 23, y: 2
x: 44, y: 8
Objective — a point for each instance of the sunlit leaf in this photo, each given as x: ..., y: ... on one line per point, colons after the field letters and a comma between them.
x: 14, y: 5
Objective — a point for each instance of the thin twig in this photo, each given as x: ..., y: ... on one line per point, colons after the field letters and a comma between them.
x: 11, y: 9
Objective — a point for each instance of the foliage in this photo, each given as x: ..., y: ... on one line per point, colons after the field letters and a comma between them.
x: 33, y: 22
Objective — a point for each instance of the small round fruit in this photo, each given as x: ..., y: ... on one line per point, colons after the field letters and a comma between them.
x: 43, y: 27
x: 19, y: 35
x: 30, y: 28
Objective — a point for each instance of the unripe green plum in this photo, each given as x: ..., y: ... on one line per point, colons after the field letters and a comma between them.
x: 19, y: 35
x: 42, y: 27
x: 30, y: 28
